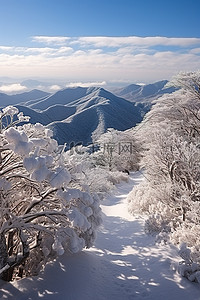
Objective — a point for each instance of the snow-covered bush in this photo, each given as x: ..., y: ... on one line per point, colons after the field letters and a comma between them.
x: 87, y: 173
x: 188, y: 268
x: 170, y: 193
x: 118, y: 150
x: 99, y: 167
x: 41, y: 214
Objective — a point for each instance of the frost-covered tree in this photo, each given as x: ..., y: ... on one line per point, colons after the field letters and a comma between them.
x: 118, y: 150
x: 100, y: 166
x: 89, y: 170
x: 42, y: 214
x: 170, y: 194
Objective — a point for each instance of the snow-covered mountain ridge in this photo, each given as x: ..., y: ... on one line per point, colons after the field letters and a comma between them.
x: 144, y: 93
x: 81, y: 114
x: 88, y: 113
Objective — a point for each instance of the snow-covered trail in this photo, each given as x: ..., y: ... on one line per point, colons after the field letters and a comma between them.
x: 124, y: 264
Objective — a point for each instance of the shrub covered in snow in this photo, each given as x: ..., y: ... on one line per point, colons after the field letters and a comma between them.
x: 188, y: 268
x: 90, y: 169
x: 116, y: 153
x: 119, y: 150
x: 41, y: 214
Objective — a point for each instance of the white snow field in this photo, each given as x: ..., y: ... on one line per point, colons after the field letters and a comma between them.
x: 124, y: 264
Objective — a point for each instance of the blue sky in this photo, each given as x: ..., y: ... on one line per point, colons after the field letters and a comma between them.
x: 125, y: 41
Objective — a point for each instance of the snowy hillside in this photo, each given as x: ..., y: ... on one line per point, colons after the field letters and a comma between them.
x: 47, y: 116
x: 63, y: 97
x: 20, y: 98
x: 95, y: 113
x: 54, y: 201
x: 144, y: 93
x: 125, y: 264
x: 80, y: 115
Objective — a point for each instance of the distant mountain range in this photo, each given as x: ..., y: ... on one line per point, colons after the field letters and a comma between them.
x: 80, y: 115
x: 144, y: 93
x: 20, y: 98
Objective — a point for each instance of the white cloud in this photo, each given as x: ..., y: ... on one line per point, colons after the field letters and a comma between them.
x: 51, y: 51
x: 105, y: 41
x: 10, y: 88
x: 37, y: 50
x: 195, y: 51
x: 54, y: 87
x: 56, y: 40
x: 64, y: 50
x: 84, y: 60
x: 102, y: 41
x: 6, y: 48
x: 86, y: 84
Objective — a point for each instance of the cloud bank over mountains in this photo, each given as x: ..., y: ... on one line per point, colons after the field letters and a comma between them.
x: 101, y: 58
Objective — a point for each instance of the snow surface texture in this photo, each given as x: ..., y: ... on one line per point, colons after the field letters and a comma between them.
x: 124, y: 264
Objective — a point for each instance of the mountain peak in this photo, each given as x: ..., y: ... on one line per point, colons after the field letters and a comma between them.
x: 144, y: 93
